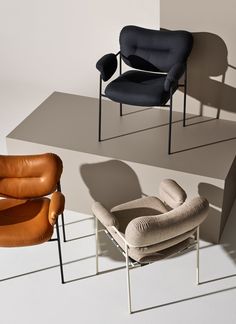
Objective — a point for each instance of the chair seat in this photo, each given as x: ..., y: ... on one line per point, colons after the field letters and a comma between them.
x: 146, y: 206
x: 24, y: 222
x: 139, y: 89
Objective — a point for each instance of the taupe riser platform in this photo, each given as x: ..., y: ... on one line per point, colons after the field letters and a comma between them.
x: 125, y: 167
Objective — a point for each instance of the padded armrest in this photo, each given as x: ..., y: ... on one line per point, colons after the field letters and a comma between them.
x: 56, y: 207
x: 174, y: 75
x: 171, y: 193
x: 149, y: 230
x: 107, y: 66
x: 104, y: 216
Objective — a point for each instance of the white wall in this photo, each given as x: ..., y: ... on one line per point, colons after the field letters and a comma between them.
x: 212, y: 68
x: 56, y: 43
x: 50, y: 45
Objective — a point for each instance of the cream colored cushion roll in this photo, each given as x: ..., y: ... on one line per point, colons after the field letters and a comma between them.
x: 148, y: 230
x: 171, y: 193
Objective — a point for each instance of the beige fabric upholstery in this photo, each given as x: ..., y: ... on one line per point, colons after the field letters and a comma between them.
x: 149, y: 230
x: 147, y: 206
x: 152, y: 230
x: 106, y: 218
x: 171, y: 193
x: 155, y: 251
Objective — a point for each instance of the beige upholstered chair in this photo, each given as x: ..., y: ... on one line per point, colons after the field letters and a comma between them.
x: 149, y: 229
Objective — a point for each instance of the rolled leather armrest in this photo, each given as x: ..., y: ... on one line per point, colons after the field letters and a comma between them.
x: 174, y: 75
x: 56, y: 207
x: 149, y: 230
x: 104, y: 216
x: 107, y: 66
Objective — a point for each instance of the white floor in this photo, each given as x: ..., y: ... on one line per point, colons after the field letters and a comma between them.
x: 39, y: 297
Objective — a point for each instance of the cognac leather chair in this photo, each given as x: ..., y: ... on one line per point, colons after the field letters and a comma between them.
x: 27, y: 212
x: 149, y: 229
x: 158, y: 59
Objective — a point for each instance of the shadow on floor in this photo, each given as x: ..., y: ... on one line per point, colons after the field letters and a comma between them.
x: 111, y: 183
x: 184, y: 300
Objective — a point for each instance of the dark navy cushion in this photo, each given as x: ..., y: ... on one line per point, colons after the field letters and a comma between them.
x: 154, y: 50
x: 139, y: 88
x: 107, y: 66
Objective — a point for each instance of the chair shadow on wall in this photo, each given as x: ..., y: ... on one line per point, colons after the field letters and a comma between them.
x: 209, y: 59
x: 111, y: 183
x: 214, y: 195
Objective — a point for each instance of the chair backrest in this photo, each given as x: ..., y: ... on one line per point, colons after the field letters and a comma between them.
x: 154, y: 50
x: 29, y: 176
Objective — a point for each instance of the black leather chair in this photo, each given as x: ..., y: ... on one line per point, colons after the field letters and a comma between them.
x: 159, y: 58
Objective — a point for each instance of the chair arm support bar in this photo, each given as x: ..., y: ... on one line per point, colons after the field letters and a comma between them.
x: 107, y: 66
x: 56, y: 207
x: 104, y: 216
x: 174, y: 75
x: 148, y: 230
x: 122, y: 237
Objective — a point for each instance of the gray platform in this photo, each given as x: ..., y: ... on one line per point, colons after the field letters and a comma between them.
x: 132, y: 159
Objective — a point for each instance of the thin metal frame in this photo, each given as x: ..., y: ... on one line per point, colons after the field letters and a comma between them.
x: 184, y: 85
x: 198, y: 259
x: 120, y: 65
x: 62, y: 216
x: 128, y: 261
x: 59, y: 252
x: 185, y: 97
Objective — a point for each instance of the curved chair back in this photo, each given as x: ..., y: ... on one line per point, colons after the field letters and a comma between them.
x: 154, y: 50
x: 29, y: 176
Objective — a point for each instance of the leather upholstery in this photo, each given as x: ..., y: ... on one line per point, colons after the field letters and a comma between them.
x: 29, y: 176
x: 28, y: 217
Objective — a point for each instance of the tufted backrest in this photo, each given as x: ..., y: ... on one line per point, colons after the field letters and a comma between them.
x: 154, y: 50
x: 29, y: 176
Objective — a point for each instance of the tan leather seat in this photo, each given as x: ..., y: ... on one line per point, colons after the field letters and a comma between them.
x: 27, y: 217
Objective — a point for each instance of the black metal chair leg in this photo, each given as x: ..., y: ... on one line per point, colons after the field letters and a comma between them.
x: 121, y: 112
x: 59, y: 253
x: 100, y: 110
x: 62, y: 216
x: 185, y: 97
x: 170, y: 122
x: 120, y: 64
x: 63, y: 227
